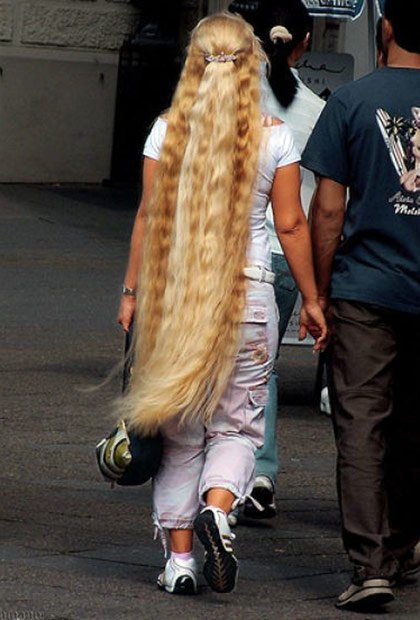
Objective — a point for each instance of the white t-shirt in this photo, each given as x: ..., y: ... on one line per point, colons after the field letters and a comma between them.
x: 301, y: 117
x: 277, y: 150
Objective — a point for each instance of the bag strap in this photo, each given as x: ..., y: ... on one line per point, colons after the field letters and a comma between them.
x: 128, y: 358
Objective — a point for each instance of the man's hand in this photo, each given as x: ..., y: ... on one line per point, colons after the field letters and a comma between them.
x: 325, y: 303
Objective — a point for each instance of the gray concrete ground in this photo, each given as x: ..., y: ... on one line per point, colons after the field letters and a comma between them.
x: 72, y: 548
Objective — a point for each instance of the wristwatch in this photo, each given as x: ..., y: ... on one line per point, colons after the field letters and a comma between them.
x: 126, y: 290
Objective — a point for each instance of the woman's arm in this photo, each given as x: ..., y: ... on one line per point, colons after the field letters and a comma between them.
x: 293, y: 232
x: 128, y: 302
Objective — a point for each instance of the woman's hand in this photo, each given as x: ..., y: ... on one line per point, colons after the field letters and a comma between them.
x: 126, y: 311
x: 312, y: 321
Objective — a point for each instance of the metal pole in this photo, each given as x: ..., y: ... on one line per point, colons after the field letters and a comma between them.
x: 371, y: 33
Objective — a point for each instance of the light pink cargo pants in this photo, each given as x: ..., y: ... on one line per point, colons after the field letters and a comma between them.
x: 198, y: 458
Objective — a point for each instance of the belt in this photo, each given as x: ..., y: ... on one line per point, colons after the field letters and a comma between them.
x: 260, y: 274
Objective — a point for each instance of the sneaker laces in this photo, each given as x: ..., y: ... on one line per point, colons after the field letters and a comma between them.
x: 256, y: 503
x: 159, y: 532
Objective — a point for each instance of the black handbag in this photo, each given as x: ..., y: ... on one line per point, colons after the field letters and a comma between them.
x: 124, y: 457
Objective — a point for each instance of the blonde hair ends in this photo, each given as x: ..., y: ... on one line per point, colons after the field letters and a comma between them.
x: 192, y: 288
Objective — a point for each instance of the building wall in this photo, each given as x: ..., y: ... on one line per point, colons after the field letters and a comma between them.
x: 58, y: 75
x: 355, y: 37
x: 359, y: 40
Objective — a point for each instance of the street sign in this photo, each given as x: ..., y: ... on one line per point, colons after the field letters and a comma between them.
x: 335, y: 8
x: 340, y: 8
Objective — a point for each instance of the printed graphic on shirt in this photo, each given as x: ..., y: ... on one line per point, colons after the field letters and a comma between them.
x: 402, y: 137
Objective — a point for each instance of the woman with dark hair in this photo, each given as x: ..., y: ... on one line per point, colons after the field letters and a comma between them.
x: 284, y: 27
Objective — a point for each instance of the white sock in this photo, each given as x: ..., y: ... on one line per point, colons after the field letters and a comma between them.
x: 187, y: 555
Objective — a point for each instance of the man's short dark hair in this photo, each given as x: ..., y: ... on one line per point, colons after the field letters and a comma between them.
x: 404, y: 16
x: 378, y: 37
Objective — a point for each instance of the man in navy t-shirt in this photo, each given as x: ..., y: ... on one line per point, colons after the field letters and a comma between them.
x: 367, y: 259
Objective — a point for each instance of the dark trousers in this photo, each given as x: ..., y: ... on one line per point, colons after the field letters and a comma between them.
x: 375, y: 375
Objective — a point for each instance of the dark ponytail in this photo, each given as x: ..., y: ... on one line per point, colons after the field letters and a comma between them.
x: 293, y: 15
x: 282, y: 80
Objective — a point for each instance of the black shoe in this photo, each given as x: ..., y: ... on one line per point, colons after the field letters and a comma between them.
x: 263, y: 493
x: 220, y: 565
x: 370, y: 594
x: 409, y: 566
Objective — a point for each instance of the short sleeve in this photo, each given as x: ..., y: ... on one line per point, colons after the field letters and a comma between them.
x: 326, y: 153
x: 154, y: 141
x: 284, y: 147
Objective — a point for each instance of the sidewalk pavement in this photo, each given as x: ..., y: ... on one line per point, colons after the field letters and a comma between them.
x: 71, y: 548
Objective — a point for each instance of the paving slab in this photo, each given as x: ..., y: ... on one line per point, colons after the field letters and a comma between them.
x: 72, y: 548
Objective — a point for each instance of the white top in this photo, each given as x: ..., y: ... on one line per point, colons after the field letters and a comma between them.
x: 277, y: 150
x: 301, y: 116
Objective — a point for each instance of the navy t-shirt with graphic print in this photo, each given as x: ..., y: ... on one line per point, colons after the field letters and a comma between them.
x: 368, y: 138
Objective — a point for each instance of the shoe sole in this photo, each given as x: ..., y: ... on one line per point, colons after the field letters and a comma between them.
x: 264, y: 497
x: 183, y: 585
x: 220, y: 567
x: 369, y: 598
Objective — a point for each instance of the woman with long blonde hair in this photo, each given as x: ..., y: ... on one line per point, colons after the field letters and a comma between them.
x: 199, y: 284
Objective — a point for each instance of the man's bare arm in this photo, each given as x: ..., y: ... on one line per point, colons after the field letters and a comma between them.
x: 327, y: 218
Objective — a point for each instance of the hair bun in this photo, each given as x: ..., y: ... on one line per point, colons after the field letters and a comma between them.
x: 280, y: 32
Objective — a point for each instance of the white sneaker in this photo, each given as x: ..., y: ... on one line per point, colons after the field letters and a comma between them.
x: 233, y: 517
x: 324, y: 403
x: 220, y: 565
x: 179, y: 576
x: 369, y: 594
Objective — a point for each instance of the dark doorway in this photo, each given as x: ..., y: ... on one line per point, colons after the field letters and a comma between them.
x: 149, y: 68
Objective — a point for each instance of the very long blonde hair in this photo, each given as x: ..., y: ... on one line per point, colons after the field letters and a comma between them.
x: 191, y: 285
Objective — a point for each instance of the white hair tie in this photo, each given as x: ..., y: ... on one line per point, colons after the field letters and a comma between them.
x: 280, y: 32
